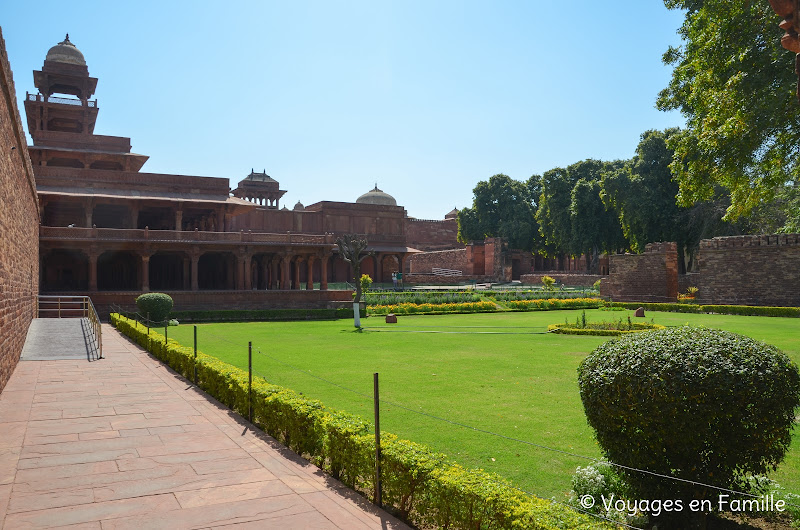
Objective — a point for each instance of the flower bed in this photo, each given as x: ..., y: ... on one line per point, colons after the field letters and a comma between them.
x: 602, y: 328
x: 554, y: 303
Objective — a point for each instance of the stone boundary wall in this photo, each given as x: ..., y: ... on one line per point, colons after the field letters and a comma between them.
x: 424, y: 262
x: 648, y: 277
x: 19, y: 227
x: 576, y: 280
x: 750, y: 270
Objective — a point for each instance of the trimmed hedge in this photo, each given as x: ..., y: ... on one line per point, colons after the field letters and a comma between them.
x: 244, y: 315
x: 156, y: 306
x: 638, y: 327
x: 419, y: 485
x: 430, y: 309
x: 746, y: 310
x: 554, y: 303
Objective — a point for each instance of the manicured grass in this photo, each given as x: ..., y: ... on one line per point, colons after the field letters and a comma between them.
x: 511, y: 378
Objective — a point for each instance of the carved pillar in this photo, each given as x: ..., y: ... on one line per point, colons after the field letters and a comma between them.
x: 146, y: 272
x: 179, y: 219
x: 93, y: 255
x: 247, y: 271
x: 310, y: 279
x: 296, y: 284
x: 323, y: 273
x: 265, y: 266
x: 286, y: 264
x: 195, y: 257
x: 135, y: 215
x: 88, y: 206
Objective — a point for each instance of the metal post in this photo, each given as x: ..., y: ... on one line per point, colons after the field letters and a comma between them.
x: 377, y: 442
x: 250, y: 382
x: 195, y: 354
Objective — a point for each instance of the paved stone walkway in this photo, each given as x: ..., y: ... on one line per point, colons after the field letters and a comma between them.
x: 124, y: 442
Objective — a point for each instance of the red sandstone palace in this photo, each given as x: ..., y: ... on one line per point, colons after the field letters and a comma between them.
x: 107, y: 227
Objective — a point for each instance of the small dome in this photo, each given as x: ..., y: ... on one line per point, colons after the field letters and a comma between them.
x: 376, y: 196
x: 299, y: 207
x: 284, y: 209
x: 65, y: 52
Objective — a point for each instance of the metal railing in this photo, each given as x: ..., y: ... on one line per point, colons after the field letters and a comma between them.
x: 54, y: 306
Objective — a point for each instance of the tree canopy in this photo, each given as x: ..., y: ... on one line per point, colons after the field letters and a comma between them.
x: 734, y: 83
x: 501, y: 207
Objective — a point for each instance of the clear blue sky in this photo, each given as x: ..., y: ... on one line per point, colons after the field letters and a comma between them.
x: 425, y: 97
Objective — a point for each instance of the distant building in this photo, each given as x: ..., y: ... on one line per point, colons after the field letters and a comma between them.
x: 112, y: 231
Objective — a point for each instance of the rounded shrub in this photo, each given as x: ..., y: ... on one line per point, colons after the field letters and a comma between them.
x: 703, y: 405
x: 157, y: 305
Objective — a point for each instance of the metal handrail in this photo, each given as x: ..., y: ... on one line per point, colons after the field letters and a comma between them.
x: 70, y: 305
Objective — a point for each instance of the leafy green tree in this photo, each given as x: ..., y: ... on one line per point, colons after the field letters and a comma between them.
x: 501, y: 207
x: 595, y: 226
x: 735, y: 85
x: 576, y: 221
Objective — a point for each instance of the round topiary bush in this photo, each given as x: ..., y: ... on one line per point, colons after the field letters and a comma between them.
x: 704, y: 405
x: 157, y: 305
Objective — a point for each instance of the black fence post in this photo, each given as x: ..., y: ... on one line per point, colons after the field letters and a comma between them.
x: 250, y: 382
x: 377, y: 442
x: 195, y: 355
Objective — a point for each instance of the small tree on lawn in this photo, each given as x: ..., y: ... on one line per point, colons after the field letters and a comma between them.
x: 351, y: 248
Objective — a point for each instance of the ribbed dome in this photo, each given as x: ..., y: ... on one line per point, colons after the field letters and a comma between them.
x: 65, y: 52
x: 299, y: 207
x: 376, y: 196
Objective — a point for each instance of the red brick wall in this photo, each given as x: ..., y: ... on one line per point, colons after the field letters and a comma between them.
x: 648, y: 277
x: 19, y: 228
x: 750, y: 270
x: 444, y: 259
x: 432, y: 235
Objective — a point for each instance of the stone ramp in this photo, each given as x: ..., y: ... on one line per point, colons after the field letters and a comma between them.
x: 126, y: 443
x: 51, y: 339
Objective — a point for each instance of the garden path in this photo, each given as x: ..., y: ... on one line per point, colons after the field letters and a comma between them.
x: 124, y: 442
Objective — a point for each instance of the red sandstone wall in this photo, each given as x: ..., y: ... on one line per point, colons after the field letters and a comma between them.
x: 444, y: 259
x: 430, y: 279
x: 19, y: 228
x: 648, y: 277
x: 750, y: 270
x: 432, y: 235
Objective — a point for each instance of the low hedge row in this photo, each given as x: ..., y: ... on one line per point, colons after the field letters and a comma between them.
x: 637, y: 327
x: 421, y: 309
x: 747, y: 310
x: 419, y: 485
x: 242, y: 315
x: 554, y: 303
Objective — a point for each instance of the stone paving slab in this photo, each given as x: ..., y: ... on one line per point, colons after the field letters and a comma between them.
x: 124, y: 442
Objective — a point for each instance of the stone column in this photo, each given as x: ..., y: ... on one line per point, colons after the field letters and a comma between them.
x: 247, y: 269
x: 88, y: 206
x: 135, y: 215
x: 285, y: 269
x: 297, y: 261
x: 146, y: 272
x: 93, y: 255
x: 195, y: 262
x: 265, y: 266
x: 323, y: 273
x: 239, y: 276
x: 310, y: 279
x: 178, y: 220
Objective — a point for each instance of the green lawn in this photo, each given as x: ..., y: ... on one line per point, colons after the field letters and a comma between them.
x: 516, y: 381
